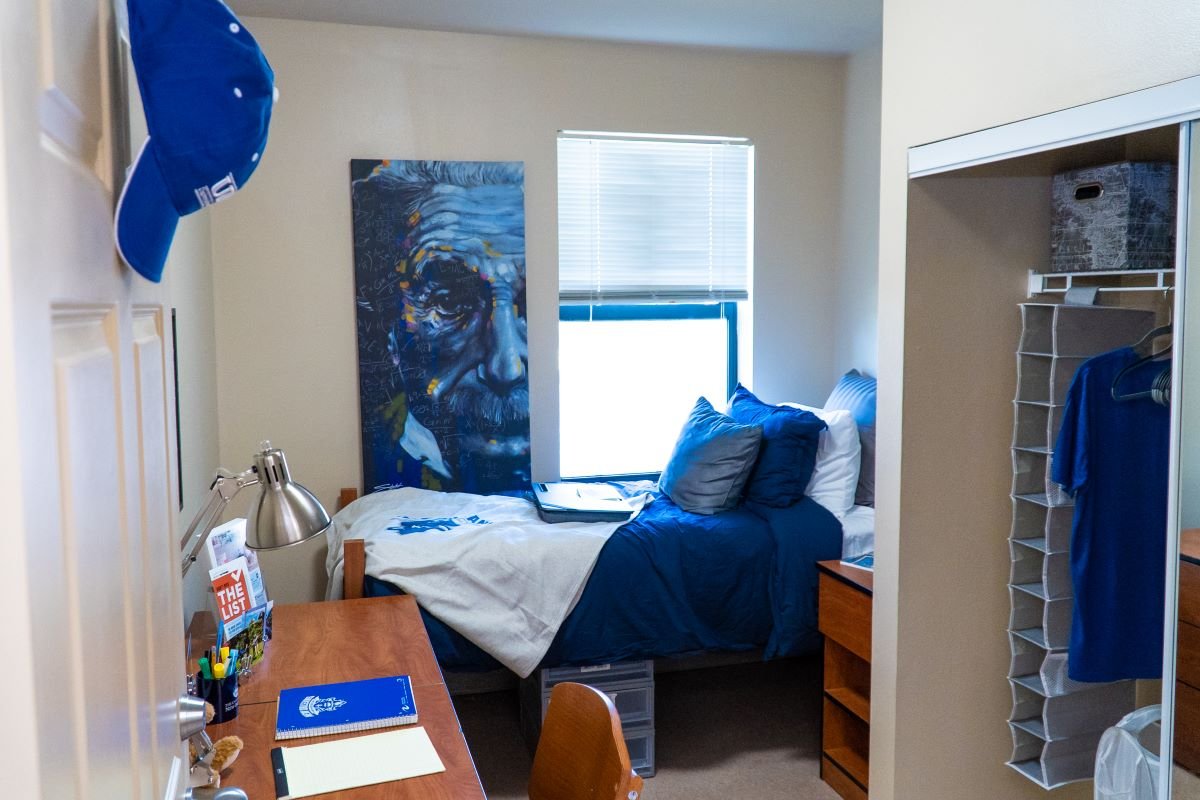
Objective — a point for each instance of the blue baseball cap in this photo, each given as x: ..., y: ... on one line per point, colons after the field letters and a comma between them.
x: 207, y: 91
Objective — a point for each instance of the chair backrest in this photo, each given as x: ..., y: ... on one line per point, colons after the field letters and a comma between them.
x: 582, y: 754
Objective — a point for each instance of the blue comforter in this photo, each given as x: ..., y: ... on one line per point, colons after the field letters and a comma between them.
x: 672, y: 583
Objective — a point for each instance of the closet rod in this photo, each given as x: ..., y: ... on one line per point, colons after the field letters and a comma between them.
x: 1041, y: 282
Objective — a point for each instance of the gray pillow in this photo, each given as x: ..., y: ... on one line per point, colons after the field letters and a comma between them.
x: 856, y: 393
x: 711, y: 461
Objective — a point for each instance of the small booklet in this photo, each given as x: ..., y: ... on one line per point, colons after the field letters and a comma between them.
x: 347, y: 763
x: 231, y: 586
x: 345, y: 707
x: 865, y: 561
x: 227, y: 542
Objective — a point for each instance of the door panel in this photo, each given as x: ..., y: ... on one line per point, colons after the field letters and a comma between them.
x: 91, y: 494
x: 160, y: 618
x: 72, y: 103
x: 90, y: 424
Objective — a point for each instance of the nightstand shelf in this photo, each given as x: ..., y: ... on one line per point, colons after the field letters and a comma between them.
x: 845, y: 619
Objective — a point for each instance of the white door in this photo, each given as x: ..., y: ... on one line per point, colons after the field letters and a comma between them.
x: 93, y: 662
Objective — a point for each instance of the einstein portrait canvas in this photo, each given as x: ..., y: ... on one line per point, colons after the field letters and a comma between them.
x: 439, y: 266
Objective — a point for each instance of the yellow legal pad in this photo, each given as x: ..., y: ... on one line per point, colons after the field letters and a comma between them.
x: 346, y: 763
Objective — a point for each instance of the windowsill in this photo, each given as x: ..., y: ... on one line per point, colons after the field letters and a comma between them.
x: 631, y: 476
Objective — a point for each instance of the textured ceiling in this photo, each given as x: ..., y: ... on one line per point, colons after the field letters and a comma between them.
x: 819, y: 26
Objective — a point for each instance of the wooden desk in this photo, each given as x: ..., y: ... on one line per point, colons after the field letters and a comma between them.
x: 349, y: 640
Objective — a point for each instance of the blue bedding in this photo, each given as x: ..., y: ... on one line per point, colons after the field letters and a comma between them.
x: 672, y: 583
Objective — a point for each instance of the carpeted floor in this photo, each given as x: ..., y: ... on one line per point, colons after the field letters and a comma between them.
x: 751, y: 730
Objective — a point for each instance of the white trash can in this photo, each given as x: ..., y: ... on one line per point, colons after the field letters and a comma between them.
x: 1125, y: 768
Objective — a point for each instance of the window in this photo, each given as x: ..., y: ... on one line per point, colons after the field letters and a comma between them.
x: 654, y: 259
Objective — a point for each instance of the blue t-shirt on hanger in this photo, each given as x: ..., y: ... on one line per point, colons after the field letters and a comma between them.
x: 1113, y: 457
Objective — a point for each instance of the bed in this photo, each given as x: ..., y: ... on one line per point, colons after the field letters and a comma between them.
x: 671, y: 583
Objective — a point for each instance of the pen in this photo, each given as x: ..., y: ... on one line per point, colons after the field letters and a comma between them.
x: 233, y: 657
x: 204, y: 670
x: 219, y: 671
x: 224, y: 655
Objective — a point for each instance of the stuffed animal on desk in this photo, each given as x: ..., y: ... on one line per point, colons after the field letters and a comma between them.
x: 207, y: 767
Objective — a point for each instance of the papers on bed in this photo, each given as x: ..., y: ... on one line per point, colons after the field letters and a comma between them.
x: 484, y: 565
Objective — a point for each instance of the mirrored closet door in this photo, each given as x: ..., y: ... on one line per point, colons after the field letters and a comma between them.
x: 1181, y: 674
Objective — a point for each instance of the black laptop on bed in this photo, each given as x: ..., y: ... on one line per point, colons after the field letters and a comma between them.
x: 580, y: 502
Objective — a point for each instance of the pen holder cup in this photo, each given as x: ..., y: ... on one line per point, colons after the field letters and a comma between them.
x: 222, y: 694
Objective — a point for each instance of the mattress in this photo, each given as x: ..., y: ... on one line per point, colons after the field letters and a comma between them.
x: 672, y: 583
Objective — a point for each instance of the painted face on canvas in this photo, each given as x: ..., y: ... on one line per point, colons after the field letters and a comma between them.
x: 462, y: 348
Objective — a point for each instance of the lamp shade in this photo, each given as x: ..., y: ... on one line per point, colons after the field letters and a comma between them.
x: 286, y: 513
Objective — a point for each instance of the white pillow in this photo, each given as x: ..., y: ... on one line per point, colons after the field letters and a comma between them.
x: 839, y: 451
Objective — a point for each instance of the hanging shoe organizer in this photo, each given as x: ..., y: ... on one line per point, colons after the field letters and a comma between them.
x: 1056, y: 722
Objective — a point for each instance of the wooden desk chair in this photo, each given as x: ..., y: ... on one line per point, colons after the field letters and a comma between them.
x: 581, y: 754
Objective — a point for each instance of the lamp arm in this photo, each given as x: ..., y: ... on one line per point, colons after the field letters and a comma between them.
x: 224, y: 488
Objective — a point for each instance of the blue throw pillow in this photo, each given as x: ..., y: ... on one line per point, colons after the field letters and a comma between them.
x: 711, y: 461
x: 856, y: 392
x: 789, y: 448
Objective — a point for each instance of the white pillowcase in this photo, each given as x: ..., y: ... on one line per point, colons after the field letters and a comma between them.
x: 839, y: 455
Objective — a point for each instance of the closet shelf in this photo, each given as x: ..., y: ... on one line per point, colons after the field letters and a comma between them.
x: 1031, y: 682
x: 1035, y: 635
x: 1042, y: 499
x: 1154, y: 280
x: 1033, y: 725
x: 1041, y: 451
x: 1037, y: 589
x: 1038, y: 403
x: 1038, y: 544
x: 1031, y: 769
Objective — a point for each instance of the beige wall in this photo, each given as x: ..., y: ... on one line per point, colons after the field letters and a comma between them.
x: 188, y: 278
x: 284, y: 282
x: 951, y: 68
x: 857, y: 280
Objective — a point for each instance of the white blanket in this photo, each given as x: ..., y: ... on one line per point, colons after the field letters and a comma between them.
x: 486, y: 566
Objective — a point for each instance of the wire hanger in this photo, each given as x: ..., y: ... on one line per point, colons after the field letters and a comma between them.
x: 1160, y: 387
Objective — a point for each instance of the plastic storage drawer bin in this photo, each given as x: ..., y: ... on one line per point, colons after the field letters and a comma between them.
x: 630, y: 686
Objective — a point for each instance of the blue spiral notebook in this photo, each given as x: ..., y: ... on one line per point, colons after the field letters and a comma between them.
x: 345, y: 707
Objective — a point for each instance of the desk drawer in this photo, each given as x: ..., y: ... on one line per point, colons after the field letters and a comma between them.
x: 1189, y: 592
x: 1187, y: 655
x: 845, y: 615
x: 1187, y: 726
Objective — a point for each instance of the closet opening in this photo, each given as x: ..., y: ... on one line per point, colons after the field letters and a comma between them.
x: 991, y: 348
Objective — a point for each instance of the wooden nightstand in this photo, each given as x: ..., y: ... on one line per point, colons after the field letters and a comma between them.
x: 845, y: 619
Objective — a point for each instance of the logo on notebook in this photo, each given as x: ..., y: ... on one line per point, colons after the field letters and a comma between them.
x: 312, y: 705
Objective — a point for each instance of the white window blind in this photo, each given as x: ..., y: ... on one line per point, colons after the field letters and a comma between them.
x: 653, y: 220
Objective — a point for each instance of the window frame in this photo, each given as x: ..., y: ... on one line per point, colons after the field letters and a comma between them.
x: 727, y: 310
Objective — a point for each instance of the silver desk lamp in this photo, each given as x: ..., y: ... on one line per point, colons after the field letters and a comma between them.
x: 286, y: 513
